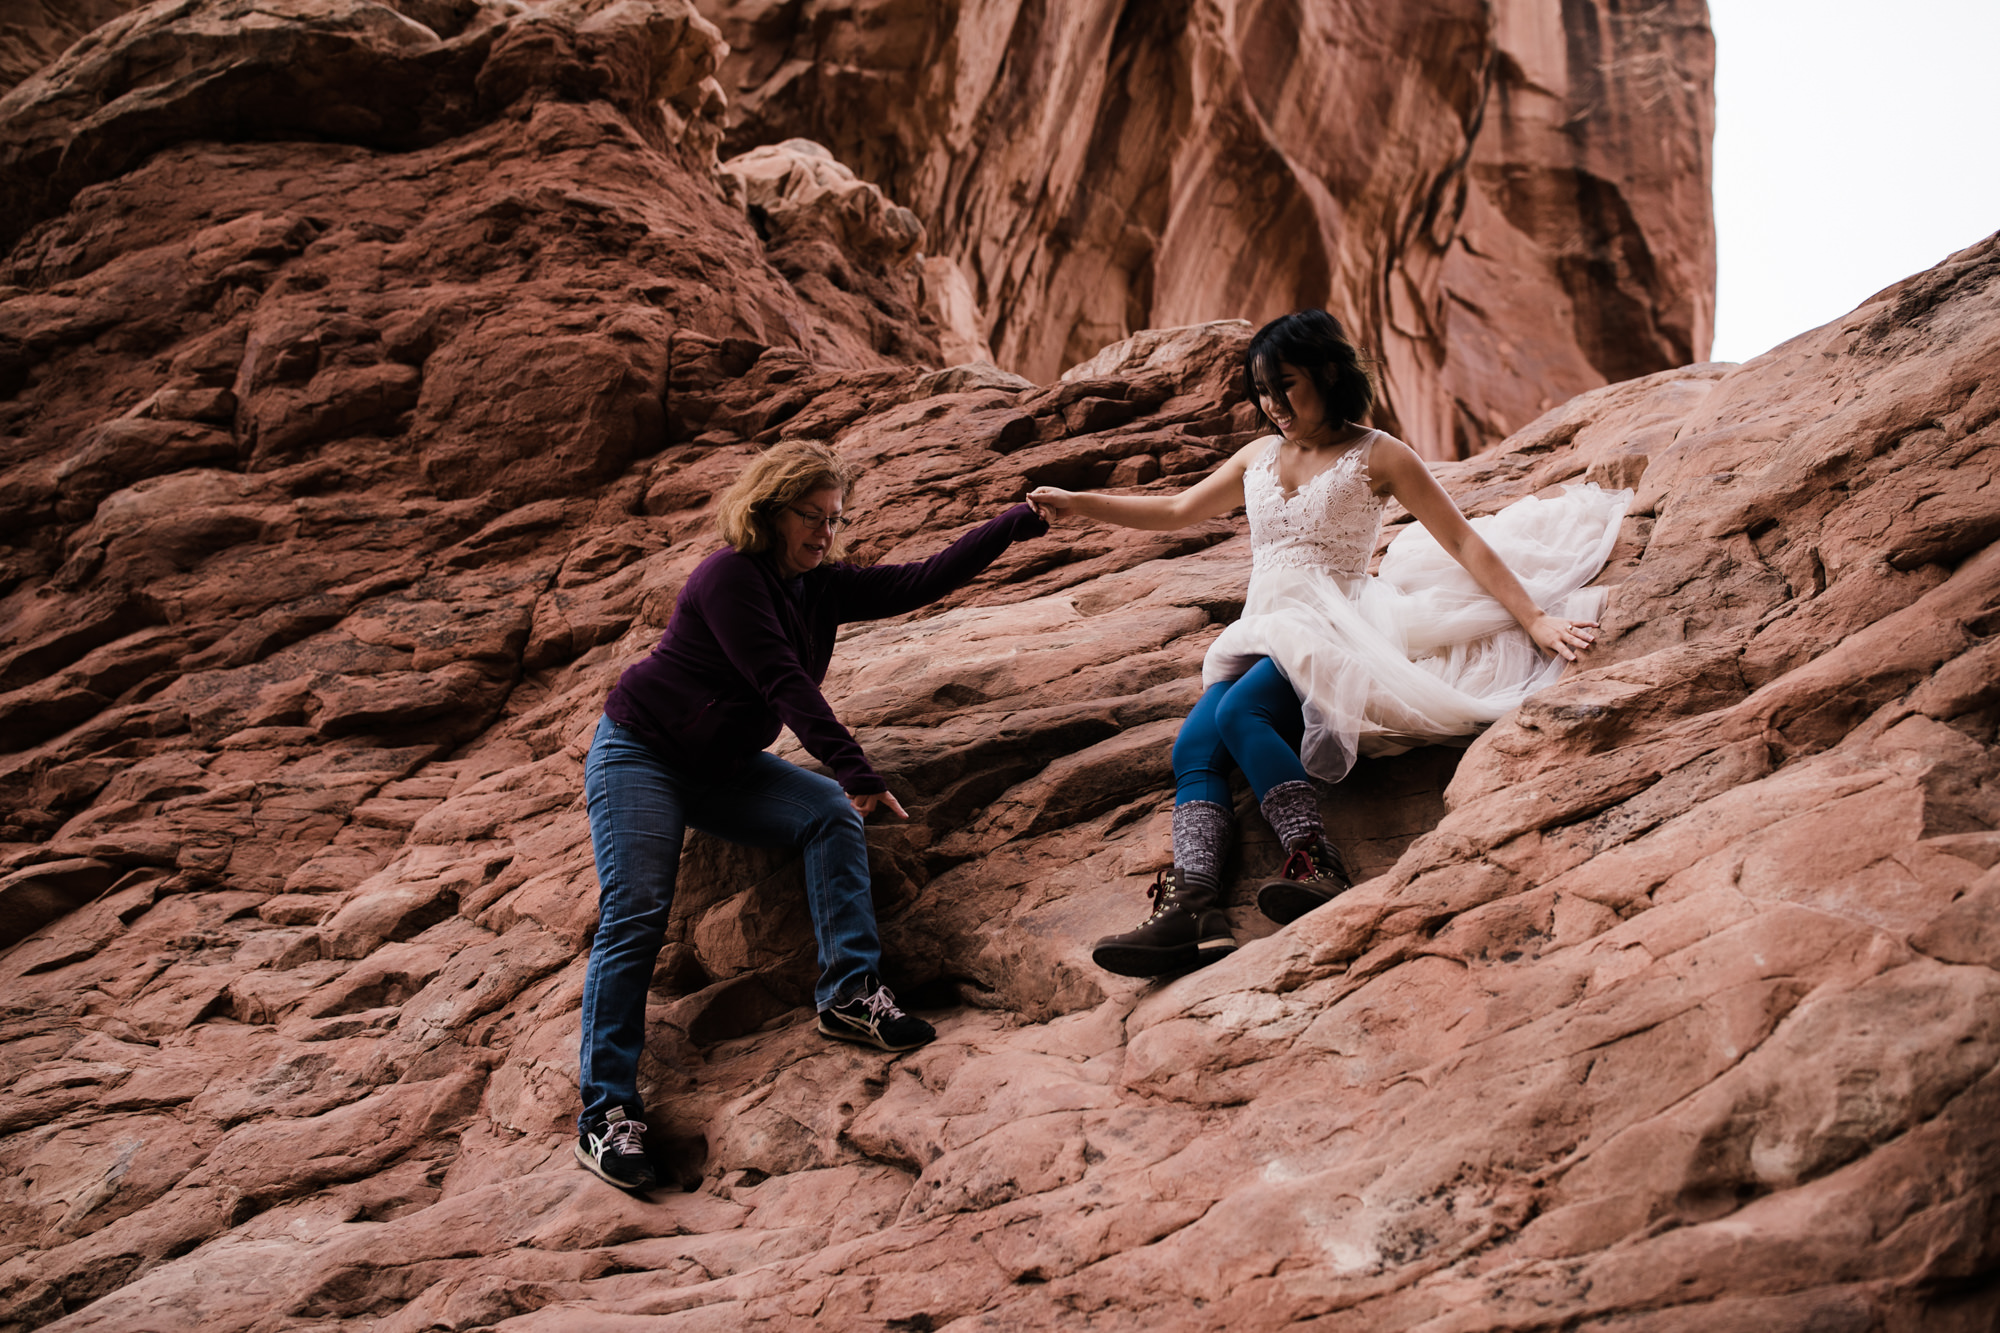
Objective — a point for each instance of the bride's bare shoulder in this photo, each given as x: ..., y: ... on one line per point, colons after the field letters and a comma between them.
x: 1389, y: 459
x: 1254, y: 450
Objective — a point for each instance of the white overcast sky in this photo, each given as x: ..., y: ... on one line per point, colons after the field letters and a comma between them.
x: 1856, y: 142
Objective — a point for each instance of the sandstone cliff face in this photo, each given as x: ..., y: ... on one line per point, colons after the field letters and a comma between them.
x: 35, y: 32
x: 1509, y: 201
x: 342, y: 479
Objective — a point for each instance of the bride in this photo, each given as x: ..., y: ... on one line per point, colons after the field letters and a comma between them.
x: 1463, y: 621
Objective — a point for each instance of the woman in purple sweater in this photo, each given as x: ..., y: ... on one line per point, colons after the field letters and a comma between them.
x: 681, y: 745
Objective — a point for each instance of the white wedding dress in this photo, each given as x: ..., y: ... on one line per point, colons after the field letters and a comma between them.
x: 1420, y: 653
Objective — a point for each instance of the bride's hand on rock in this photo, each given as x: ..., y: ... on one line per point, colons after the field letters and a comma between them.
x: 1564, y: 638
x: 1051, y: 502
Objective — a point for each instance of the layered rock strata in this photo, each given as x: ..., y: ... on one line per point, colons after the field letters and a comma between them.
x: 1508, y: 201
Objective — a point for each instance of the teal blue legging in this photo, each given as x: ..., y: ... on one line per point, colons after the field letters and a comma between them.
x: 1253, y: 723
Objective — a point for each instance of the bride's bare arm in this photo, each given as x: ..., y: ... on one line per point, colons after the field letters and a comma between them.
x: 1396, y: 464
x: 1213, y: 496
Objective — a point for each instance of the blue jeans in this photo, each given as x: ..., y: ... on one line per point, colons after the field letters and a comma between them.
x: 640, y: 808
x: 1254, y: 723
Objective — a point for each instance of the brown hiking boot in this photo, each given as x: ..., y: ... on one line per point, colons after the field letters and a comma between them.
x: 1184, y: 931
x: 1311, y: 877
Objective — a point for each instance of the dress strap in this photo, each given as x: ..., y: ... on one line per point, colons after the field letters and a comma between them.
x: 1365, y: 447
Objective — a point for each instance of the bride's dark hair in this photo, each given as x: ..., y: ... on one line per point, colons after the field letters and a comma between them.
x: 1313, y: 341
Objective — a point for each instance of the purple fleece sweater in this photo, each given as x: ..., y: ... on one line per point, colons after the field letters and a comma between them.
x: 747, y: 648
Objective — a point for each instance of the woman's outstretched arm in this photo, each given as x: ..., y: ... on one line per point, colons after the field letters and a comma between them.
x: 1213, y: 496
x: 1418, y: 491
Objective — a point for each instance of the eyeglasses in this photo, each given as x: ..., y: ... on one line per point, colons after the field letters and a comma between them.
x: 831, y: 522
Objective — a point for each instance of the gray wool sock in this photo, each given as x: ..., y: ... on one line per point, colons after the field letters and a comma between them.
x: 1293, y: 811
x: 1201, y: 839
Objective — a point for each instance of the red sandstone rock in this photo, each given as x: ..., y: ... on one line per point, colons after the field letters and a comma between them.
x: 1508, y: 201
x: 849, y: 250
x: 35, y: 32
x: 1669, y: 1003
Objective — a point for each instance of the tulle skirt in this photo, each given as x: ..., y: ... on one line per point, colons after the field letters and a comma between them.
x: 1419, y: 653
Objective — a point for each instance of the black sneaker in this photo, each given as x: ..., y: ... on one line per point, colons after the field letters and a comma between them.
x: 614, y: 1150
x: 871, y: 1018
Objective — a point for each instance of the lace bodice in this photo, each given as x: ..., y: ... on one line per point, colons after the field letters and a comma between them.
x: 1331, y: 523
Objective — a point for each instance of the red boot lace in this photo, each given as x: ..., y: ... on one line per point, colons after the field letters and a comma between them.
x: 1299, y: 866
x: 1305, y: 865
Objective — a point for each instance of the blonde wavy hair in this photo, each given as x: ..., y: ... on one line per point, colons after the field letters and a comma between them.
x: 780, y: 476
